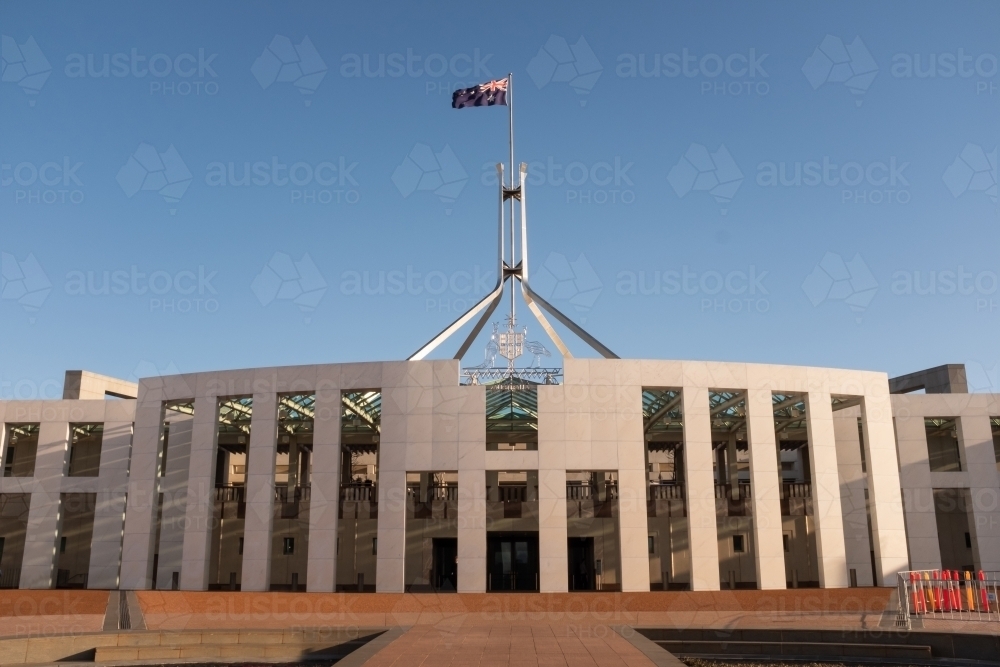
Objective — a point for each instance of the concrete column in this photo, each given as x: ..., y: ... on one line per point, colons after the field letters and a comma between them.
x: 633, y: 528
x: 51, y: 464
x: 917, y: 493
x: 472, y: 488
x: 140, y: 515
x: 261, y: 454
x: 553, y: 532
x: 324, y: 503
x: 854, y: 505
x: 109, y: 511
x: 173, y: 485
x: 390, y: 560
x: 886, y: 503
x: 471, y: 527
x: 199, y: 512
x: 552, y: 524
x: 827, y: 510
x: 407, y: 427
x: 976, y: 440
x: 765, y: 491
x: 633, y: 523
x: 700, y: 489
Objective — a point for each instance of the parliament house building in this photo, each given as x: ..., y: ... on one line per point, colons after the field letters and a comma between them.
x: 419, y: 476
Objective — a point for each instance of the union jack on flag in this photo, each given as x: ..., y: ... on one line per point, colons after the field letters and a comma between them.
x: 484, y: 95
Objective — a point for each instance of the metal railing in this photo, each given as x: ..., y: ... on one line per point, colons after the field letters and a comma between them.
x: 447, y: 492
x: 10, y: 577
x: 948, y: 595
x: 231, y: 494
x: 511, y: 493
x: 357, y: 493
x: 725, y: 490
x: 589, y: 491
x: 284, y: 494
x: 796, y: 490
x: 666, y: 492
x: 787, y: 489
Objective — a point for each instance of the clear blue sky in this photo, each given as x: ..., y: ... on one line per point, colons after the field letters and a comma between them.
x: 648, y: 86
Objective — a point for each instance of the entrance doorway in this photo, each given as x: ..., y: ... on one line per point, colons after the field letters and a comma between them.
x: 511, y: 561
x: 580, y: 553
x: 445, y: 563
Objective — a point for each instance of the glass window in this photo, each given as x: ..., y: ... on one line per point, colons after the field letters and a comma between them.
x: 360, y: 432
x: 512, y: 415
x: 594, y: 554
x: 431, y: 563
x: 20, y: 447
x: 293, y: 491
x: 233, y: 422
x: 85, y: 449
x: 666, y: 511
x: 942, y: 444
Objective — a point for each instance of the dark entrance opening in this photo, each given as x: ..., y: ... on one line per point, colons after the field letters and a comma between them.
x: 581, y: 564
x: 511, y: 561
x: 445, y: 563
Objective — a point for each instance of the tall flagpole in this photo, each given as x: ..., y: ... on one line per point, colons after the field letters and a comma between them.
x: 511, y: 272
x: 510, y: 117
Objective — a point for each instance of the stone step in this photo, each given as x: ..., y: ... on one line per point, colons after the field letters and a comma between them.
x: 799, y: 649
x: 225, y: 651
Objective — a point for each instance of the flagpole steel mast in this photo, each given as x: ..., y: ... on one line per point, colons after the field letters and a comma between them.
x: 510, y: 118
x: 513, y: 271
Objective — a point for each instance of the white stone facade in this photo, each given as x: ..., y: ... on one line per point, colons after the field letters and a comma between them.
x: 869, y: 467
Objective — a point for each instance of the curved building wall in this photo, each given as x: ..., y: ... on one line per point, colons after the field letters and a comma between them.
x: 591, y: 423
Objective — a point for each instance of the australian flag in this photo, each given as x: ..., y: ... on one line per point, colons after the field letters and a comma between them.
x: 483, y: 95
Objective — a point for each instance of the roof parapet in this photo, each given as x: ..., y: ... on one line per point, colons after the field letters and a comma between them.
x: 946, y: 379
x: 85, y: 385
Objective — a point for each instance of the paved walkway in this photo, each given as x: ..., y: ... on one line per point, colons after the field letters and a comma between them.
x: 543, y: 645
x: 472, y: 629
